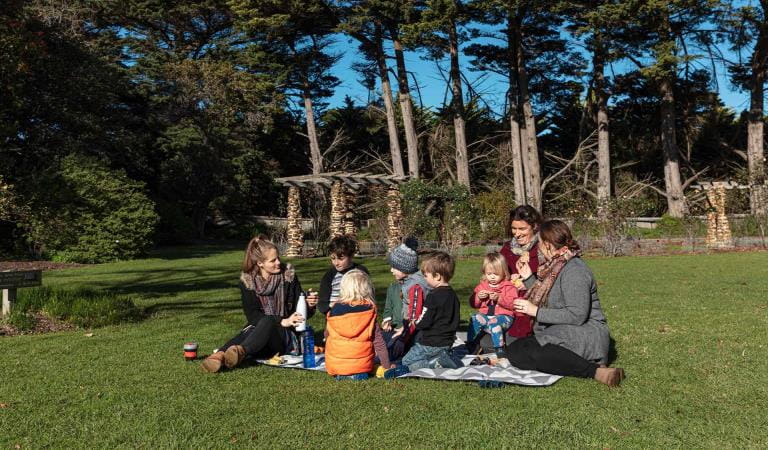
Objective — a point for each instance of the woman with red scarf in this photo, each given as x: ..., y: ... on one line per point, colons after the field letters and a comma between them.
x: 570, y: 335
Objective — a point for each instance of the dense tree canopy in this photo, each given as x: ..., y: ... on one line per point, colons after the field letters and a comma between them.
x: 198, y: 105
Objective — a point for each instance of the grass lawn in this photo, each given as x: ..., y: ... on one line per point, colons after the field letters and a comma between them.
x: 691, y: 332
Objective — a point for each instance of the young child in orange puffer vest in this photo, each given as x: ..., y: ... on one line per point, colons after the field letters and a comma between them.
x: 354, y: 337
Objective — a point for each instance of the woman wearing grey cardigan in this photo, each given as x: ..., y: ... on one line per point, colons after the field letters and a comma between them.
x: 571, y: 335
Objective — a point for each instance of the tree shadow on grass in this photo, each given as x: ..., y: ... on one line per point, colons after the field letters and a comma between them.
x: 197, y: 251
x: 210, y: 306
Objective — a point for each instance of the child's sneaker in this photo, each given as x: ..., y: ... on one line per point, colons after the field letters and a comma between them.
x: 397, y: 371
x: 355, y: 377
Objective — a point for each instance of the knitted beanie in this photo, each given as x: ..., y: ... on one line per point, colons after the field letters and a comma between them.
x: 404, y: 257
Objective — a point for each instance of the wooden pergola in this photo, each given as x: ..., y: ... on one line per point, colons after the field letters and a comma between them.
x: 344, y: 187
x: 718, y: 227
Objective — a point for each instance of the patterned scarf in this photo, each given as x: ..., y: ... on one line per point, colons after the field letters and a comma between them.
x: 546, y: 276
x: 520, y: 250
x: 271, y: 292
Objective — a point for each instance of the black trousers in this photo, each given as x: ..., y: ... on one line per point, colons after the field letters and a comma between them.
x: 261, y: 340
x: 527, y: 354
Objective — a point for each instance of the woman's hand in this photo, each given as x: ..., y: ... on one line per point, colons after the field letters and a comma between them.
x: 523, y: 269
x: 312, y: 298
x: 524, y: 306
x: 292, y: 321
x: 386, y: 326
x: 398, y: 332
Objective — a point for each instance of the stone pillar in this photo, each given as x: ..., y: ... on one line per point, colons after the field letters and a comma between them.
x: 724, y: 237
x: 711, y: 240
x: 295, y: 233
x: 350, y: 229
x: 718, y: 226
x: 394, y: 218
x: 338, y: 209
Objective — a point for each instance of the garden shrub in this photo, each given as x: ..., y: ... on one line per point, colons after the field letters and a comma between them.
x: 94, y: 214
x: 437, y: 212
x: 83, y: 307
x: 669, y: 226
x: 493, y: 210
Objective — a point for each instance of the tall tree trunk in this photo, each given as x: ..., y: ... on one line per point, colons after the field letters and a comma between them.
x: 406, y: 107
x: 672, y: 182
x: 517, y: 156
x: 515, y: 141
x: 462, y: 159
x: 386, y: 91
x: 603, y: 142
x: 755, y: 129
x: 533, y: 168
x: 314, y: 144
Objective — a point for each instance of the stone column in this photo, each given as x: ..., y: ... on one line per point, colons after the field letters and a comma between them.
x: 338, y: 209
x: 711, y: 218
x: 350, y: 229
x: 295, y: 233
x: 394, y: 218
x: 724, y: 237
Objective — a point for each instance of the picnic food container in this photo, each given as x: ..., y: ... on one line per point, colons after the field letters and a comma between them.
x: 190, y: 351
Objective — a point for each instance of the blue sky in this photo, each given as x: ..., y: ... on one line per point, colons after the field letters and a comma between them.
x: 432, y: 86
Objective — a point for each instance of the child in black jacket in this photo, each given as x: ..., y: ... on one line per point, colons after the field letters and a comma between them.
x: 342, y: 250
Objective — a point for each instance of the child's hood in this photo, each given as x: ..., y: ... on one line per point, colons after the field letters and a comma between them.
x: 352, y: 324
x: 416, y: 278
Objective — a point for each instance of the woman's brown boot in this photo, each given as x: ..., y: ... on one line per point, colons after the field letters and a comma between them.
x: 609, y: 375
x: 214, y: 362
x: 234, y: 356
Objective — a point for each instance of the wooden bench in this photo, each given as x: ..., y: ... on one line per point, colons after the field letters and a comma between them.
x: 10, y: 280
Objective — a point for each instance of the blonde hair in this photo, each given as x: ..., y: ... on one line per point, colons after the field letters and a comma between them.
x: 256, y: 252
x: 356, y: 288
x: 496, y: 261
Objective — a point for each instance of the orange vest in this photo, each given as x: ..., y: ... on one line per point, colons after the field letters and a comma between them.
x: 349, y: 347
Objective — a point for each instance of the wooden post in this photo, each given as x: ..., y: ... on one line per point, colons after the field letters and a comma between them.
x: 338, y: 210
x: 295, y: 233
x: 394, y: 218
x: 9, y: 298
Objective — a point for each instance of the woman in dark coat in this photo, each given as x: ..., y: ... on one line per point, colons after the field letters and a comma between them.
x: 571, y: 336
x: 270, y: 291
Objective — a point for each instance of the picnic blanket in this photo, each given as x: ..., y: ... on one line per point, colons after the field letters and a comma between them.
x: 511, y: 375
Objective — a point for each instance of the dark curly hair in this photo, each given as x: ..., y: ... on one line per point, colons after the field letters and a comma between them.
x: 342, y: 246
x: 525, y: 213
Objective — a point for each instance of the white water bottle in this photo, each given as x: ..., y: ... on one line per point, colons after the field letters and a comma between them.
x: 301, y: 308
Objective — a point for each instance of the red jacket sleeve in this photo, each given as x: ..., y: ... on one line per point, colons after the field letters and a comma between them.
x: 473, y: 300
x: 508, y: 295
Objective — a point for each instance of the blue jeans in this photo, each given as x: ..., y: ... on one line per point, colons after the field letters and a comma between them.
x: 424, y: 356
x: 495, y: 326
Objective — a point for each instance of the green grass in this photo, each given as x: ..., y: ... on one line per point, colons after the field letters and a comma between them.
x: 691, y: 332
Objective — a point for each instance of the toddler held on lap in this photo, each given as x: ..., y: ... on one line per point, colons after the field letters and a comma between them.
x: 494, y: 298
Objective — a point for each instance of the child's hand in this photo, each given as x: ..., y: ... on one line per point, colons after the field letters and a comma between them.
x: 494, y: 296
x: 398, y: 332
x: 386, y: 325
x: 482, y: 295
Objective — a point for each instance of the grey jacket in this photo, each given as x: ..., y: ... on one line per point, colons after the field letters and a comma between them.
x: 573, y: 317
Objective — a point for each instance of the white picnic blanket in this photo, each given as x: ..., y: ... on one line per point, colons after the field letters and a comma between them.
x: 509, y: 375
